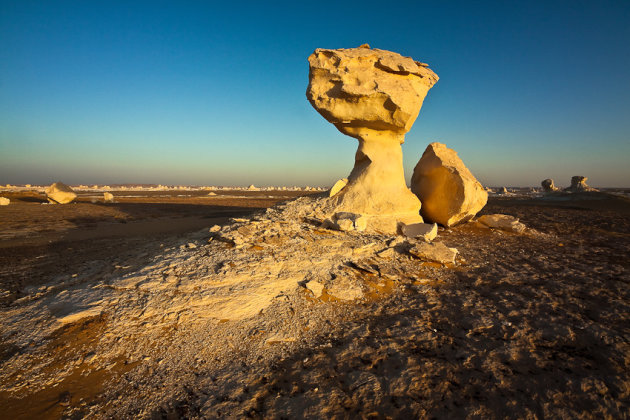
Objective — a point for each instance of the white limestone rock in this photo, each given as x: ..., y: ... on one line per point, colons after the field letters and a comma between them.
x: 503, y: 222
x: 548, y: 185
x: 339, y: 185
x: 424, y: 231
x: 4, y: 201
x: 578, y: 184
x: 60, y: 193
x: 449, y: 192
x: 434, y: 252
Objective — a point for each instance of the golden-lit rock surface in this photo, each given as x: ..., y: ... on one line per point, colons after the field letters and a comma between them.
x: 374, y: 96
x: 449, y: 192
x: 60, y: 193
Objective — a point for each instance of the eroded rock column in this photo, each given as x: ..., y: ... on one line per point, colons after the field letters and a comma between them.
x: 374, y: 96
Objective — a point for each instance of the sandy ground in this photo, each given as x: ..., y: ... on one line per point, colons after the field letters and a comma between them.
x: 524, y: 326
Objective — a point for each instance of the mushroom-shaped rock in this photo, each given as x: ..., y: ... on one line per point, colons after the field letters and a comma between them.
x: 548, y: 185
x: 374, y: 96
x: 449, y: 192
x: 60, y: 193
x: 578, y: 184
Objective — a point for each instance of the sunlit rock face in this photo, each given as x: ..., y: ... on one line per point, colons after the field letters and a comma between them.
x: 60, y: 193
x: 449, y: 192
x: 374, y: 96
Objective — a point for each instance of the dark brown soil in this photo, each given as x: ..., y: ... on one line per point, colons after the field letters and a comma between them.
x: 528, y: 326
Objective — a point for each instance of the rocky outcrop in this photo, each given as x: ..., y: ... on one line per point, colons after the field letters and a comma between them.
x: 60, y: 193
x: 374, y: 96
x: 449, y: 192
x: 578, y: 184
x: 108, y: 197
x: 4, y: 201
x: 548, y: 185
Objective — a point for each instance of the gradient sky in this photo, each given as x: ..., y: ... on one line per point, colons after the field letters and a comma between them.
x: 213, y: 93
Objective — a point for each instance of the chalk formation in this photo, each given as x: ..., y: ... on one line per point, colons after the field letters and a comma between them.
x: 374, y: 96
x: 449, y: 192
x: 548, y: 185
x: 60, y: 193
x: 578, y: 184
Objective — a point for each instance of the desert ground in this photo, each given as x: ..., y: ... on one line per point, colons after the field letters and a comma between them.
x: 122, y: 310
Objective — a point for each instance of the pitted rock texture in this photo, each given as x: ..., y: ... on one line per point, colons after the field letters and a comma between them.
x: 374, y: 96
x: 449, y: 192
x: 359, y: 89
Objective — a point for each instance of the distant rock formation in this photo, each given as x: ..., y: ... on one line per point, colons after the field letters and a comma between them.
x: 374, y: 96
x: 548, y: 185
x: 449, y: 192
x: 108, y: 197
x: 578, y: 184
x: 60, y: 193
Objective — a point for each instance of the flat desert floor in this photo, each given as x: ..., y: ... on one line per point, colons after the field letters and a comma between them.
x: 533, y: 325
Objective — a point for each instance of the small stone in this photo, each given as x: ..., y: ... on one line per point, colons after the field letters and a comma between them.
x: 215, y: 228
x: 434, y: 252
x: 425, y: 231
x: 191, y: 245
x: 338, y: 187
x: 503, y: 222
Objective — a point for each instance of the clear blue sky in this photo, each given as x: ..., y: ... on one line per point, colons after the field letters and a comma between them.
x: 213, y: 93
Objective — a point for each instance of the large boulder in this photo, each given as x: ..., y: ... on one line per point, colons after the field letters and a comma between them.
x: 374, y: 96
x: 60, y: 193
x: 548, y: 185
x: 4, y: 201
x: 578, y: 184
x: 449, y: 192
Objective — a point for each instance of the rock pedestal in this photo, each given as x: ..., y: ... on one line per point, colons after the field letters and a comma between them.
x: 374, y: 96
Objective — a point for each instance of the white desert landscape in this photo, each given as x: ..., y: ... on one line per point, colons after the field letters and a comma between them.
x: 365, y: 299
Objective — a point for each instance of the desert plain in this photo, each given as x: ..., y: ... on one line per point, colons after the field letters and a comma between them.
x: 101, y: 315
